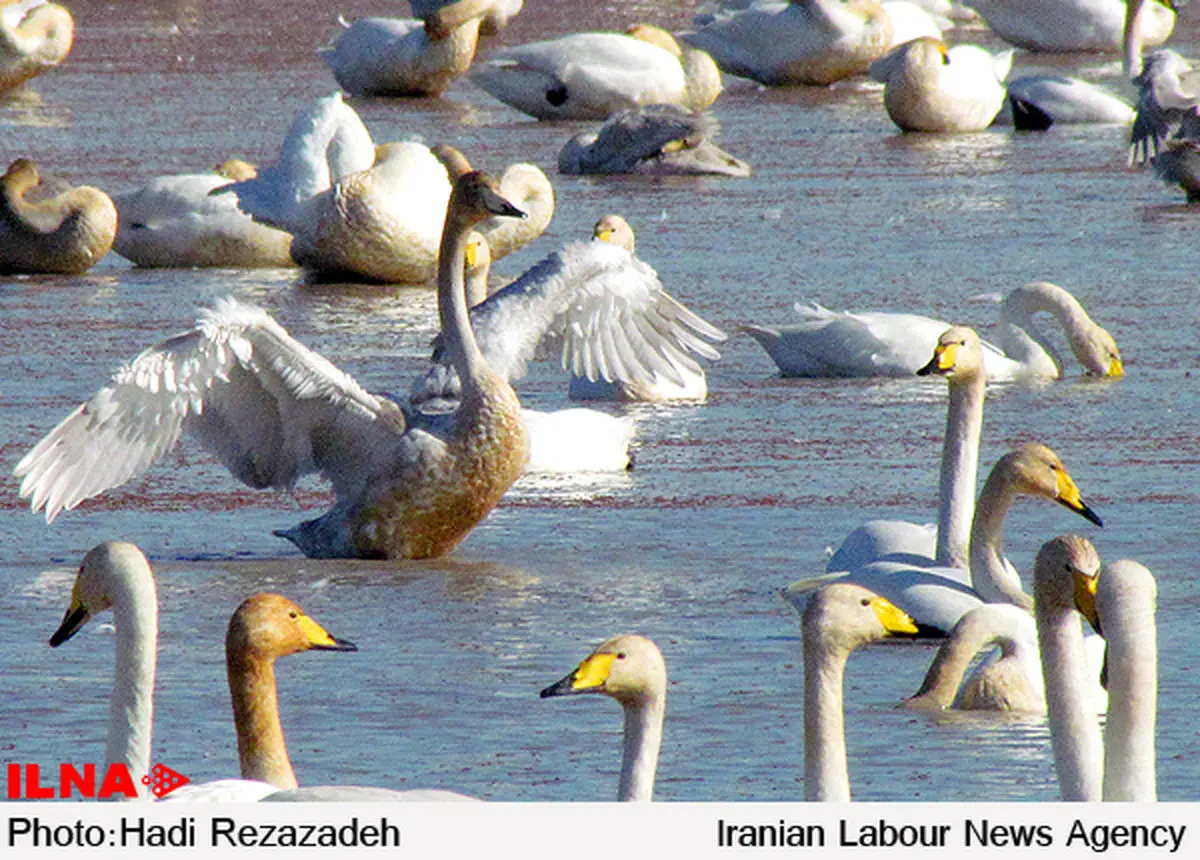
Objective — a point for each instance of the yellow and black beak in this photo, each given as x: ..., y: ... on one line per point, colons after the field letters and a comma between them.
x: 1070, y: 497
x: 320, y: 640
x: 590, y: 677
x: 894, y: 619
x: 76, y: 616
x: 945, y: 356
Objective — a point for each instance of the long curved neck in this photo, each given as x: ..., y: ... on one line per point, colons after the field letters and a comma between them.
x: 990, y: 575
x: 457, y: 334
x: 131, y: 709
x: 1074, y: 732
x: 960, y: 468
x: 946, y: 672
x: 643, y: 737
x: 262, y: 750
x: 826, y: 773
x: 1021, y: 305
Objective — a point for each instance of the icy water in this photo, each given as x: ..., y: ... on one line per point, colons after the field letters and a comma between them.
x: 730, y: 500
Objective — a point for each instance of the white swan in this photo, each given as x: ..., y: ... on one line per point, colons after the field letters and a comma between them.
x: 116, y: 575
x: 66, y: 233
x: 1071, y: 25
x: 34, y: 36
x: 799, y: 42
x: 630, y: 669
x: 176, y: 221
x: 592, y: 75
x: 407, y: 485
x: 929, y: 87
x: 1037, y: 102
x: 844, y: 344
x: 407, y: 56
x: 1011, y: 683
x: 654, y: 139
x: 840, y: 618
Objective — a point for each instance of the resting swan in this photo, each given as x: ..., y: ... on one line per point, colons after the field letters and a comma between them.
x: 652, y: 139
x: 630, y: 669
x: 1071, y: 25
x: 799, y: 42
x: 407, y: 56
x: 1037, y: 102
x: 67, y: 233
x: 177, y: 222
x: 407, y: 485
x: 929, y: 87
x: 34, y: 36
x: 840, y: 618
x: 115, y: 574
x: 496, y: 16
x: 592, y: 75
x: 844, y: 344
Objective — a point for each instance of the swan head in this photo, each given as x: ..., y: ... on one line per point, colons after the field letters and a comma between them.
x: 629, y: 668
x: 656, y: 36
x: 1065, y: 576
x: 958, y: 354
x: 912, y: 58
x: 21, y: 175
x: 615, y: 229
x: 478, y: 264
x: 476, y: 196
x: 266, y: 626
x: 236, y: 170
x: 842, y: 616
x: 1037, y: 471
x: 107, y: 570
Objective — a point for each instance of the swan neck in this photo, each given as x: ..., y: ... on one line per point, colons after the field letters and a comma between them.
x: 1132, y: 659
x: 131, y: 709
x: 461, y: 348
x: 262, y: 750
x: 643, y: 738
x: 826, y: 773
x: 946, y: 672
x: 960, y: 469
x: 1074, y: 732
x: 990, y: 576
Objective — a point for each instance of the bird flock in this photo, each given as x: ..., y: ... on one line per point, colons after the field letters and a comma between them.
x: 413, y: 475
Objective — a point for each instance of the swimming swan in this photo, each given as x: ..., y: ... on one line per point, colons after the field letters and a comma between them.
x: 630, y: 669
x: 929, y: 87
x: 407, y: 56
x: 592, y: 75
x: 799, y: 42
x: 846, y: 344
x: 67, y: 233
x: 407, y: 485
x: 840, y: 618
x: 1071, y: 25
x: 177, y: 222
x: 116, y: 575
x: 34, y: 36
x: 653, y: 139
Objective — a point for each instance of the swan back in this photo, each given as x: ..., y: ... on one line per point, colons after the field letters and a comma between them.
x: 929, y: 87
x: 1126, y: 595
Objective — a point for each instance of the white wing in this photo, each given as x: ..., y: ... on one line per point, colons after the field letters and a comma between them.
x: 267, y: 406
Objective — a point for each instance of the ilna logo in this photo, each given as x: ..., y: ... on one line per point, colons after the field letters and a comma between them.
x: 25, y: 782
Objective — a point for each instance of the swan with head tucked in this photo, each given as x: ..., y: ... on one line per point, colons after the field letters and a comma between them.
x: 840, y: 618
x: 881, y: 343
x: 630, y: 669
x: 407, y: 485
x: 1037, y: 102
x: 177, y: 222
x: 116, y: 575
x: 592, y: 75
x: 407, y: 56
x: 929, y: 87
x: 66, y: 233
x: 798, y: 42
x: 652, y: 139
x: 496, y: 15
x: 1072, y: 25
x: 35, y: 36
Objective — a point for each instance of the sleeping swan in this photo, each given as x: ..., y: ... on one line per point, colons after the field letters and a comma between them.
x: 34, y: 36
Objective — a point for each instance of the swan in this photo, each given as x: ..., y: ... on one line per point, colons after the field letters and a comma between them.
x: 116, y: 575
x: 67, y: 233
x: 799, y: 42
x: 407, y: 485
x: 496, y: 17
x: 1071, y: 25
x: 655, y: 139
x: 176, y: 221
x: 840, y: 618
x: 528, y: 188
x: 34, y: 36
x: 938, y: 596
x: 1011, y: 683
x: 1036, y: 102
x: 1142, y: 25
x: 912, y: 21
x: 845, y: 344
x: 630, y: 669
x: 407, y: 56
x: 684, y: 379
x: 929, y: 87
x: 592, y: 75
x: 1166, y: 129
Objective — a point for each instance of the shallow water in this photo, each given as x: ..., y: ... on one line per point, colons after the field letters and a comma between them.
x: 730, y: 500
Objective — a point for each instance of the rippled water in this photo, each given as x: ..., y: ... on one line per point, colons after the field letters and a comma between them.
x: 729, y: 501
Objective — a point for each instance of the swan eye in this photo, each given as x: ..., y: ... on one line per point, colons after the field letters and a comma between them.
x: 620, y: 655
x: 293, y: 614
x: 866, y: 601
